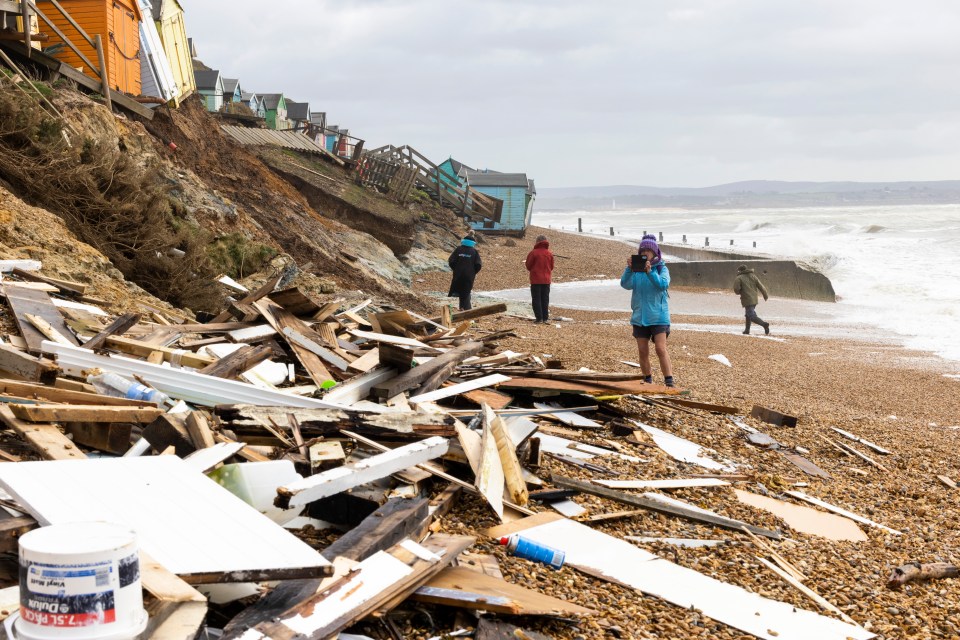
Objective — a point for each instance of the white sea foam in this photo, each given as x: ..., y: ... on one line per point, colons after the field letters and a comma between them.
x: 894, y: 268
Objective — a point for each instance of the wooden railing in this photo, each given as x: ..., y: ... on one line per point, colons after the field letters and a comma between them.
x: 441, y: 184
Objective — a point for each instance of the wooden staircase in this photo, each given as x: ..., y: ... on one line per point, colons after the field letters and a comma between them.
x: 443, y: 187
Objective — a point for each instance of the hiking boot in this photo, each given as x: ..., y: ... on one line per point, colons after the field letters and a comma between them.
x: 668, y: 381
x: 746, y: 330
x: 766, y: 328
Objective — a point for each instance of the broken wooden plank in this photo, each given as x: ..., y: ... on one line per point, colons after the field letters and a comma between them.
x: 327, y: 422
x: 11, y: 528
x: 860, y: 455
x: 177, y: 611
x: 661, y: 506
x: 417, y: 375
x: 84, y: 413
x: 388, y: 339
x: 805, y: 590
x: 27, y: 366
x: 866, y: 443
x: 678, y: 483
x: 799, y: 495
x: 112, y: 437
x: 117, y: 327
x: 805, y: 465
x: 684, y: 450
x: 25, y: 302
x: 468, y: 589
x: 342, y: 478
x: 366, y: 362
x: 457, y: 389
x: 947, y: 482
x: 46, y: 439
x: 358, y: 387
x: 265, y: 289
x: 359, y: 590
x: 703, y: 406
x: 176, y: 357
x: 233, y: 364
x: 569, y: 418
x: 280, y: 319
x: 773, y: 417
x: 199, y: 430
x: 397, y: 519
x: 461, y: 316
x: 304, y: 341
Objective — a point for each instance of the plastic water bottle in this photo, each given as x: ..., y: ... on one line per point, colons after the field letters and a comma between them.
x: 111, y: 384
x: 527, y: 548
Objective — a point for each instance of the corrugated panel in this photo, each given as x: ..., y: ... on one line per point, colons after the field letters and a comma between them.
x: 269, y: 137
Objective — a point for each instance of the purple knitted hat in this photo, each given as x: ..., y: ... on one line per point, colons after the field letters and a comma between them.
x: 649, y: 241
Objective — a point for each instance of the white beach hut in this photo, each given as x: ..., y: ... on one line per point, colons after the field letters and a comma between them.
x: 156, y: 75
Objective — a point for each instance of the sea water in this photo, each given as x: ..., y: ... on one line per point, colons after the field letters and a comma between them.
x: 895, y: 269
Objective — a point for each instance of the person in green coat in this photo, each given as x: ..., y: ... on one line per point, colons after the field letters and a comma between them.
x: 749, y: 288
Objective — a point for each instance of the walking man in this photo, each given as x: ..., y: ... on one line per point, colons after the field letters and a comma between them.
x: 540, y: 266
x: 748, y: 287
x: 466, y: 264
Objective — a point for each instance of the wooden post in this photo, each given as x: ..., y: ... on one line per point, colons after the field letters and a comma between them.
x: 706, y: 241
x: 104, y: 76
x: 661, y: 237
x: 611, y: 230
x: 25, y: 16
x: 754, y: 244
x: 731, y: 242
x: 579, y: 225
x: 684, y: 238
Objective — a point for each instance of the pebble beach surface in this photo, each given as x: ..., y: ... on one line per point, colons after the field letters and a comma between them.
x: 903, y: 401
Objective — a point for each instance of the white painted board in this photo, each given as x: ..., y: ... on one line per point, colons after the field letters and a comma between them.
x: 619, y: 561
x: 679, y: 483
x: 570, y: 418
x: 184, y: 520
x: 683, y: 450
x: 463, y: 387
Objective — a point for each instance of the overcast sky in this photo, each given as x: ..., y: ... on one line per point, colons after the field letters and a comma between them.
x: 651, y: 92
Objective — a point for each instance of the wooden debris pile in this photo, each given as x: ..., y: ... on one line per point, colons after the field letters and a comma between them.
x: 306, y: 417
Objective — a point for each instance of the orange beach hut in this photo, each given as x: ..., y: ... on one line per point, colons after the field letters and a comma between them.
x: 117, y: 23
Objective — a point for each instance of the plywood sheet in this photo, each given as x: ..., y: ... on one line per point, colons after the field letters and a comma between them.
x: 805, y: 519
x: 683, y: 450
x: 610, y: 558
x: 184, y: 520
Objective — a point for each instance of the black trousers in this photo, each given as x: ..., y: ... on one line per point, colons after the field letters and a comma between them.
x: 540, y: 293
x: 465, y: 301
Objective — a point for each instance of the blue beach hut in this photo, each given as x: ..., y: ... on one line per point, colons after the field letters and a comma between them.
x: 517, y: 193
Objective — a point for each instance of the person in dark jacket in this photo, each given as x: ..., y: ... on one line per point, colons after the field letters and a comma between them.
x: 465, y: 263
x: 540, y: 265
x: 748, y: 287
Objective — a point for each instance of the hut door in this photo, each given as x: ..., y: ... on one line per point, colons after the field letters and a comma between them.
x: 126, y: 40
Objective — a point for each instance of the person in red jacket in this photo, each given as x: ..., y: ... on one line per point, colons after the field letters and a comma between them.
x: 540, y: 266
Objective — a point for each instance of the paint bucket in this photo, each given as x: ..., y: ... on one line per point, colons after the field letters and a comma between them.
x: 80, y: 581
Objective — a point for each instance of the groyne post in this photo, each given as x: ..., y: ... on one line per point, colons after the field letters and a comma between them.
x: 731, y: 242
x: 684, y: 238
x: 661, y: 237
x: 611, y: 230
x: 579, y: 225
x: 706, y: 241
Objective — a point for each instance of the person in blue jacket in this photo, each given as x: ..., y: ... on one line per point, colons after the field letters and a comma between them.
x: 651, y: 309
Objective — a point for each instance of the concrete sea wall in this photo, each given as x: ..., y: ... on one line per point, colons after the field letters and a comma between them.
x: 718, y: 269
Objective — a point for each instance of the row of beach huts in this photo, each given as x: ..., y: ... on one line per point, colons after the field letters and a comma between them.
x: 140, y: 49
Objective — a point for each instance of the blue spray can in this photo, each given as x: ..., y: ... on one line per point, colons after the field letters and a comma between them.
x: 527, y: 548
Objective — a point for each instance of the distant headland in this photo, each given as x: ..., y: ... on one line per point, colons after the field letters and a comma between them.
x: 750, y: 194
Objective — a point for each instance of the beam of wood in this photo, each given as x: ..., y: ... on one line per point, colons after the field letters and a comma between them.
x: 47, y: 330
x: 84, y: 413
x: 805, y: 590
x: 490, y: 478
x: 866, y: 443
x: 65, y: 286
x: 280, y: 319
x: 327, y: 355
x: 352, y: 475
x: 24, y: 365
x: 46, y: 439
x: 144, y: 349
x: 367, y: 361
x: 460, y: 316
x: 358, y: 387
x: 327, y: 422
x: 660, y: 507
x: 417, y: 375
x: 397, y: 519
x: 862, y: 456
x: 118, y: 326
x: 113, y: 437
x: 712, y: 408
x: 65, y: 395
x: 199, y: 430
x: 395, y: 356
x: 799, y: 495
x: 233, y: 364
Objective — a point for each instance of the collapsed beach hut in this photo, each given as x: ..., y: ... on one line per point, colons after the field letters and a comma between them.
x: 118, y: 25
x: 517, y: 193
x: 168, y: 16
x: 156, y: 76
x: 452, y: 172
